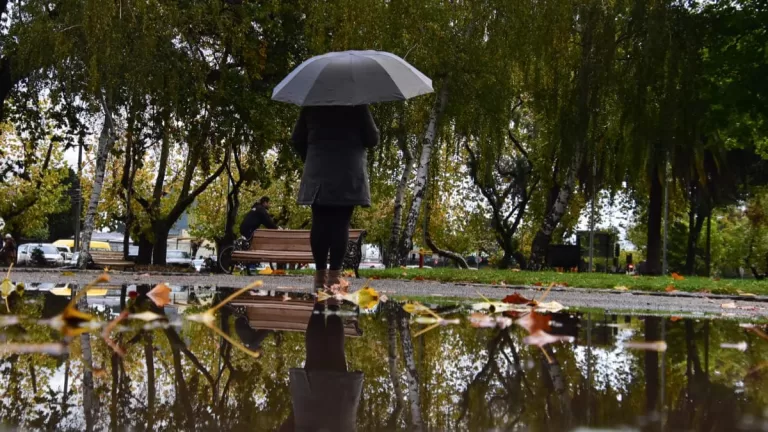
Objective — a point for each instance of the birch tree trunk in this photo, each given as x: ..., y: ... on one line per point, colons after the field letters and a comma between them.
x: 412, y: 376
x: 394, y: 376
x: 406, y: 238
x: 107, y: 140
x: 88, y: 396
x: 554, y: 215
x: 392, y: 257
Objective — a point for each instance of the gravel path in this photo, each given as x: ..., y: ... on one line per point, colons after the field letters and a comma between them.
x: 660, y: 303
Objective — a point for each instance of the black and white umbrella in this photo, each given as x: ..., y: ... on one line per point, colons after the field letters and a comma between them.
x: 352, y: 78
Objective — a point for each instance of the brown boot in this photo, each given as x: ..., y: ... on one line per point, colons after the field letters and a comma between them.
x: 320, y: 279
x: 333, y: 277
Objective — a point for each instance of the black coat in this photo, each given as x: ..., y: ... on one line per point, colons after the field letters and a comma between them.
x: 333, y: 142
x: 255, y: 218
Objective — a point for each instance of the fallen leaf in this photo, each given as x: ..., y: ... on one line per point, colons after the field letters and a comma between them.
x: 349, y: 273
x: 670, y: 288
x: 145, y: 316
x: 160, y: 295
x: 515, y: 270
x: 677, y: 277
x: 376, y: 277
x: 541, y: 338
x: 659, y: 346
x: 405, y: 274
x: 675, y: 318
x: 745, y: 294
x: 562, y: 284
x: 621, y: 288
x: 515, y: 298
x: 533, y: 322
x: 418, y: 278
x: 502, y: 283
x: 729, y: 305
x: 538, y: 284
x: 278, y: 272
x: 266, y: 272
x: 552, y: 306
x: 67, y: 273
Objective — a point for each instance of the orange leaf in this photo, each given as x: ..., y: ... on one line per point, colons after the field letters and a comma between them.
x: 675, y: 318
x: 418, y: 278
x: 676, y: 276
x: 538, y: 284
x: 670, y: 288
x: 515, y: 299
x: 375, y: 277
x: 160, y: 294
x: 279, y: 272
x: 534, y: 322
x: 561, y: 284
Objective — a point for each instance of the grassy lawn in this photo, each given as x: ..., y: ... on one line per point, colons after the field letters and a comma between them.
x: 577, y: 280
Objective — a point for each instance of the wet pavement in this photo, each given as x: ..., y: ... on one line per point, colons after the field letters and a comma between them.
x: 135, y: 358
x: 655, y: 303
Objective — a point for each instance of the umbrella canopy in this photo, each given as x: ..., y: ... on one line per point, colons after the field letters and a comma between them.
x: 352, y: 78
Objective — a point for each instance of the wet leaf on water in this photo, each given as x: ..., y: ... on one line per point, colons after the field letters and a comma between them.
x: 416, y: 308
x: 52, y: 348
x: 516, y: 298
x: 160, y: 295
x: 728, y: 305
x: 541, y: 338
x: 677, y: 277
x: 659, y: 346
x: 670, y: 288
x: 145, y: 316
x: 741, y: 346
x: 533, y: 322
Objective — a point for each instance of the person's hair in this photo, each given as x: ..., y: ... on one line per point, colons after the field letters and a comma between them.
x: 264, y: 199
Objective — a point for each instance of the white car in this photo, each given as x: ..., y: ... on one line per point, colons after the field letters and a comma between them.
x: 178, y: 258
x: 66, y: 251
x: 415, y: 267
x: 50, y: 254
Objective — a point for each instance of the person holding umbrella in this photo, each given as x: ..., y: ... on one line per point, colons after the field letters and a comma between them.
x: 332, y: 135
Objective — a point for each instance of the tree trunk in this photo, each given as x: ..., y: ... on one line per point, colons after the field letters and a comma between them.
x: 653, y: 256
x: 106, y: 142
x: 149, y: 357
x: 144, y: 256
x: 394, y: 376
x: 412, y: 376
x: 456, y: 258
x: 652, y: 334
x: 160, y: 248
x: 391, y: 255
x: 553, y: 216
x: 89, y: 399
x: 708, y: 255
x: 420, y: 189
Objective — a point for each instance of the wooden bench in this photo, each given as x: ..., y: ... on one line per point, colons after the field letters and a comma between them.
x: 292, y: 247
x: 271, y: 313
x: 110, y: 259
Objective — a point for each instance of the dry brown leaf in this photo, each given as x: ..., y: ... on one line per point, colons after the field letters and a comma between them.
x: 418, y: 278
x: 515, y: 298
x: 160, y: 295
x: 538, y: 284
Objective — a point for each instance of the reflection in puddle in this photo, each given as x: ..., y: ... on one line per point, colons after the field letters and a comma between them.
x: 267, y: 360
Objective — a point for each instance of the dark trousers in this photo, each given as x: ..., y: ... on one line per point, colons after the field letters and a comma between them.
x: 330, y: 233
x: 324, y: 341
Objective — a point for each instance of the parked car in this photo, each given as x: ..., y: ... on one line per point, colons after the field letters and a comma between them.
x: 178, y: 258
x: 66, y: 251
x: 51, y: 255
x: 372, y: 265
x: 94, y: 245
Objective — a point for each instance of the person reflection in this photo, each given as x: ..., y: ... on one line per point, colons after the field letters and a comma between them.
x: 324, y: 394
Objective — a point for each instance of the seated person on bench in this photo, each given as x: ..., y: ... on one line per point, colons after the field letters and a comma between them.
x: 257, y: 217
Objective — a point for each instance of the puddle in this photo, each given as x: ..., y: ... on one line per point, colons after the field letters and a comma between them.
x: 273, y: 360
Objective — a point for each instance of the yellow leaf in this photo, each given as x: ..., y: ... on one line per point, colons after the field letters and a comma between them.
x: 266, y: 272
x: 728, y: 305
x: 621, y: 288
x: 745, y: 294
x: 67, y: 273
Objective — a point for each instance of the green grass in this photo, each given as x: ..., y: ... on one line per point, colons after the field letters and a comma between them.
x: 576, y: 280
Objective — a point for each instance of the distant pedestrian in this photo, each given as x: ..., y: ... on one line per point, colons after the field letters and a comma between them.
x: 333, y: 142
x: 8, y: 251
x: 256, y: 217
